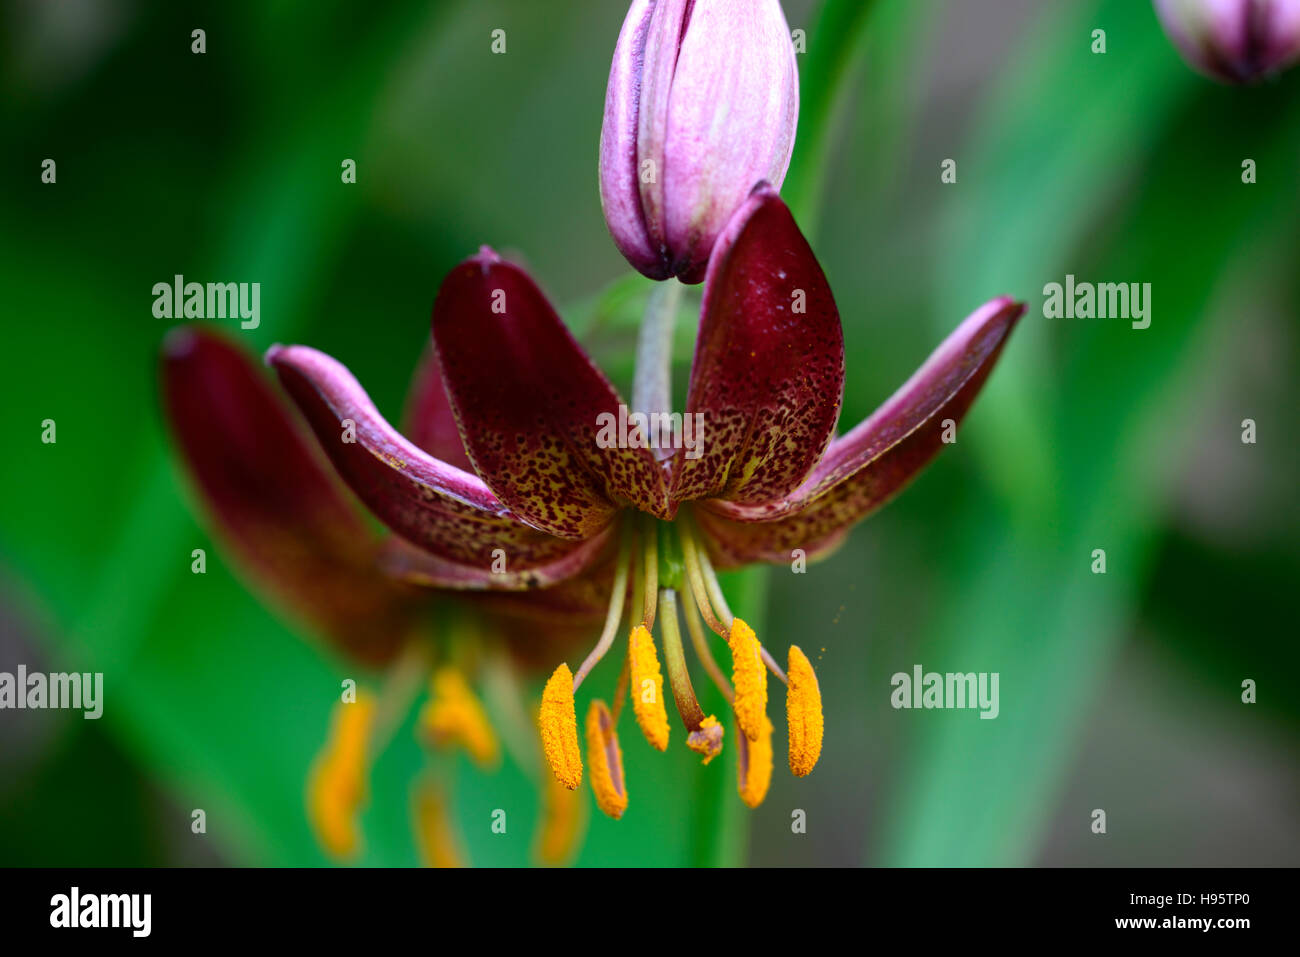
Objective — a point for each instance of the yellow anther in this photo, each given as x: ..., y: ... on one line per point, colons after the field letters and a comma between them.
x: 707, y: 740
x: 606, y: 761
x: 433, y: 828
x: 750, y: 678
x: 336, y: 787
x: 559, y: 724
x: 648, y: 689
x: 803, y: 713
x: 562, y: 819
x: 754, y: 766
x: 454, y: 716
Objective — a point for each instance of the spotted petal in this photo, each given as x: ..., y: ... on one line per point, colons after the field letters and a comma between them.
x: 431, y: 504
x: 866, y: 467
x: 531, y: 404
x: 768, y: 375
x: 276, y: 505
x: 428, y: 420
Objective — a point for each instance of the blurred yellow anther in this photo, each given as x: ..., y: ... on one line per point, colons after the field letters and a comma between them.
x: 750, y: 678
x: 754, y: 766
x: 336, y: 788
x: 454, y: 716
x: 559, y: 723
x: 433, y: 828
x: 707, y: 739
x: 648, y: 689
x: 606, y: 761
x: 562, y: 819
x: 803, y: 713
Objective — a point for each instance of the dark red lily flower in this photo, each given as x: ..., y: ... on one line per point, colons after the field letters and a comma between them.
x: 300, y: 539
x: 546, y: 501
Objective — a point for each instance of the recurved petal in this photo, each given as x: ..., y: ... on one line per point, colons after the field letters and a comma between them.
x: 428, y: 420
x: 531, y: 405
x: 274, y: 501
x: 866, y: 467
x: 433, y: 505
x: 521, y: 569
x: 768, y: 375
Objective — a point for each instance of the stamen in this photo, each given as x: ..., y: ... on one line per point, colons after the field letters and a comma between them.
x: 710, y: 577
x: 650, y: 540
x: 803, y: 714
x: 336, y: 787
x: 754, y: 766
x: 678, y: 677
x: 707, y: 739
x: 606, y: 760
x: 559, y: 726
x: 699, y: 641
x: 750, y: 678
x: 613, y: 614
x: 437, y: 837
x: 773, y: 667
x: 620, y: 689
x: 454, y: 716
x: 562, y: 823
x: 647, y: 688
x: 402, y: 684
x: 695, y: 576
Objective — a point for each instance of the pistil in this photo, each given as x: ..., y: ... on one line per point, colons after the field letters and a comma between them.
x: 679, y: 679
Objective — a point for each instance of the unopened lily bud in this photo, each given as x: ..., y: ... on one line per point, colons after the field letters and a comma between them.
x: 702, y: 103
x: 1235, y: 41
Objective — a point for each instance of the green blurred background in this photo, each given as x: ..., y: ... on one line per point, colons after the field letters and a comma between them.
x: 1119, y: 691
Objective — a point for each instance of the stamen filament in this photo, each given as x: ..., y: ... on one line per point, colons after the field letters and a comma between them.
x: 773, y: 667
x: 695, y: 576
x: 637, y: 607
x: 650, y: 551
x: 614, y: 615
x: 620, y: 690
x: 679, y: 678
x: 699, y: 641
x: 402, y: 684
x: 710, y: 577
x: 708, y: 592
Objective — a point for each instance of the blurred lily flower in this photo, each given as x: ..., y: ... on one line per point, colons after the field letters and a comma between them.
x: 299, y: 539
x: 543, y: 504
x: 1235, y: 41
x: 702, y: 103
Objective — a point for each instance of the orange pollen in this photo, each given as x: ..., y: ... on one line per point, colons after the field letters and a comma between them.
x: 749, y: 676
x: 707, y: 739
x: 606, y: 761
x: 803, y: 713
x: 648, y: 688
x: 754, y: 766
x: 454, y: 715
x: 559, y: 726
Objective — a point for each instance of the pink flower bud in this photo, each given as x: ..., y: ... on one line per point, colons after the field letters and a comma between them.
x: 702, y: 104
x: 1235, y: 41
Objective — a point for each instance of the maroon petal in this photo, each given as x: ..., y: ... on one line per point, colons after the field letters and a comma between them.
x: 515, y: 571
x: 530, y: 404
x: 275, y: 504
x: 428, y: 420
x: 768, y: 375
x: 865, y: 468
x: 431, y: 504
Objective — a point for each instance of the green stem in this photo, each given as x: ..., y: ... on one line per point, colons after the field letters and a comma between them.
x: 652, y: 389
